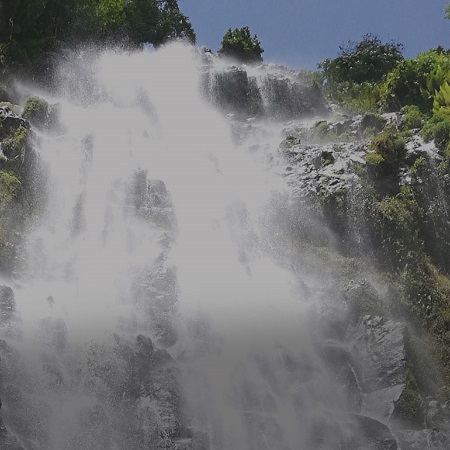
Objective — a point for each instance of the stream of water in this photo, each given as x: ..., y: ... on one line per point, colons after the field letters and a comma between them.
x: 155, y: 226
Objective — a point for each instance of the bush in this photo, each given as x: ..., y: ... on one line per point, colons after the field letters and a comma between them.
x: 13, y: 147
x: 398, y: 227
x: 412, y: 117
x: 355, y: 98
x: 391, y: 147
x: 438, y: 128
x: 238, y: 44
x: 9, y: 185
x: 415, y: 81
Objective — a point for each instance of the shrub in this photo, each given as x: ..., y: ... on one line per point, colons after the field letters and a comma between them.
x: 391, y: 147
x: 383, y: 164
x: 412, y: 117
x: 355, y: 98
x: 374, y: 159
x: 438, y: 128
x: 13, y: 147
x: 415, y: 81
x: 9, y: 185
x: 398, y: 219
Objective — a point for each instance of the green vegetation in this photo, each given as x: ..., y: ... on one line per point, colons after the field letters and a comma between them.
x: 9, y: 185
x: 13, y: 147
x: 366, y: 61
x: 30, y: 27
x: 36, y: 111
x: 10, y: 189
x: 415, y: 81
x: 370, y: 76
x: 412, y: 117
x: 240, y: 45
x: 353, y: 79
x: 409, y: 406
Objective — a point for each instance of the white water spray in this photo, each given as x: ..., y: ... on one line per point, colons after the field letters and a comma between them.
x: 101, y: 269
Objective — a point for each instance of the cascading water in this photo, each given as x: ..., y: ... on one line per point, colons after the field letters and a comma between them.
x: 155, y: 237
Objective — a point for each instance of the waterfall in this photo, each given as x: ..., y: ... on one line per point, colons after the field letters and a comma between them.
x: 156, y: 306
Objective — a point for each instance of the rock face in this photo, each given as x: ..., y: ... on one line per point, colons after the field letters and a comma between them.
x: 7, y: 441
x: 379, y: 358
x: 9, y: 322
x: 154, y: 288
x: 7, y: 304
x: 266, y: 91
x: 10, y: 121
x: 13, y: 133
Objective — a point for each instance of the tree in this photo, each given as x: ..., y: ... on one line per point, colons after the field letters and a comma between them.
x: 30, y: 27
x: 157, y: 21
x: 366, y: 61
x: 238, y: 44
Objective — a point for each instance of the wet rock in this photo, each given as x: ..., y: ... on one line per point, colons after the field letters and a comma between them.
x: 234, y: 91
x: 373, y: 121
x: 10, y: 122
x: 9, y: 321
x: 194, y: 440
x: 155, y: 291
x: 362, y: 299
x: 7, y: 440
x: 7, y: 304
x: 54, y: 333
x: 42, y: 114
x: 379, y: 357
x: 150, y: 200
x: 287, y: 94
x: 160, y: 395
x: 370, y: 434
x: 270, y: 91
x: 430, y: 439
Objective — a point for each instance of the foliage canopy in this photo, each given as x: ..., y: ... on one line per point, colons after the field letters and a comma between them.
x: 415, y: 81
x: 240, y: 45
x: 366, y: 61
x: 29, y: 27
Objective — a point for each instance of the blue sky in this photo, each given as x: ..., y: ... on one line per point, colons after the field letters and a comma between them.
x: 301, y: 33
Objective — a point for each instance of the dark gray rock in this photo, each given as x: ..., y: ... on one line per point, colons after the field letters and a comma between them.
x: 287, y: 94
x: 379, y: 358
x: 9, y: 121
x: 370, y: 434
x: 9, y: 321
x: 429, y: 439
x: 268, y: 91
x: 194, y: 440
x: 7, y: 304
x: 150, y: 200
x: 8, y: 441
x: 234, y: 91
